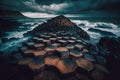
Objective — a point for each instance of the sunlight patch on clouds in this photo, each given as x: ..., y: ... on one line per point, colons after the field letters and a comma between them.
x: 46, y: 8
x: 46, y: 15
x: 38, y: 15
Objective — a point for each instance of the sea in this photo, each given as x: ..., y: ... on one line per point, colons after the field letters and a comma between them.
x: 12, y: 35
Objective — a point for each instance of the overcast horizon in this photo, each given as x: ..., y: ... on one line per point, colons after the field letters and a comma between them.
x: 57, y: 7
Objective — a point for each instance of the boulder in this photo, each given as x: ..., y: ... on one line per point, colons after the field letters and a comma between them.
x: 100, y: 72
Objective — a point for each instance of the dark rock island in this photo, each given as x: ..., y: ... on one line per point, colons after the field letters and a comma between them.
x: 60, y: 23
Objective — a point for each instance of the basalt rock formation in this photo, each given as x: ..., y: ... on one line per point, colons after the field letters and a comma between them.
x: 61, y: 56
x: 60, y: 23
x: 56, y: 53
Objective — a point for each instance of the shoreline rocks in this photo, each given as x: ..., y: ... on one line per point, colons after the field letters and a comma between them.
x: 110, y: 48
x: 57, y: 51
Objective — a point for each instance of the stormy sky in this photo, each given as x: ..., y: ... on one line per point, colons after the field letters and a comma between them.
x: 60, y: 6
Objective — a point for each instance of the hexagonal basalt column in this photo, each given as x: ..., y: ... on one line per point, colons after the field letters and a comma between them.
x: 66, y: 66
x: 62, y: 52
x: 66, y: 38
x: 70, y: 46
x: 85, y: 64
x: 36, y: 64
x: 54, y: 35
x: 50, y: 49
x: 37, y: 53
x: 71, y: 41
x: 63, y: 42
x: 51, y: 60
x: 59, y: 38
x: 79, y: 41
x: 47, y: 42
x: 84, y: 51
x: 79, y: 46
x: 38, y: 40
x: 75, y: 53
x: 73, y: 38
x: 53, y: 40
x: 39, y: 46
x: 56, y: 44
x: 47, y: 37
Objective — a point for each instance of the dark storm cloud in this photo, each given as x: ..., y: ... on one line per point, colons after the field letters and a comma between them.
x: 60, y: 5
x: 83, y: 4
x: 15, y: 5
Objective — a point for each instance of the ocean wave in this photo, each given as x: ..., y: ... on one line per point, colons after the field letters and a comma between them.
x: 19, y: 34
x: 108, y: 27
x: 10, y: 45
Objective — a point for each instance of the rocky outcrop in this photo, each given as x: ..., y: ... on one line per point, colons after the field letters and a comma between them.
x: 62, y: 56
x: 111, y: 44
x: 57, y: 52
x: 60, y: 23
x: 110, y: 48
x: 11, y: 14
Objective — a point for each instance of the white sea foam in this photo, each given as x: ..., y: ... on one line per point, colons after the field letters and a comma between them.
x: 87, y: 25
x: 19, y: 34
x: 9, y: 45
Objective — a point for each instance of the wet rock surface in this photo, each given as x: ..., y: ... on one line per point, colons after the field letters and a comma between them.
x: 57, y: 54
x: 109, y: 47
x: 58, y: 60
